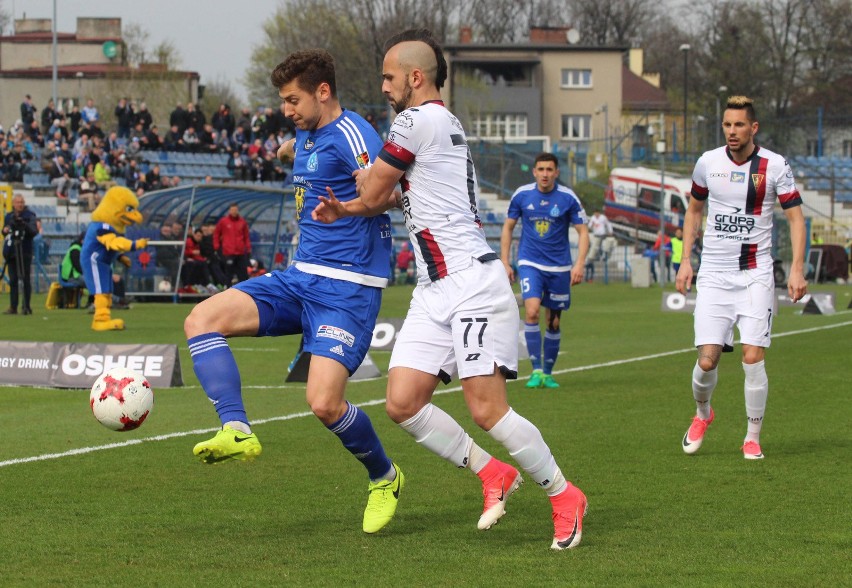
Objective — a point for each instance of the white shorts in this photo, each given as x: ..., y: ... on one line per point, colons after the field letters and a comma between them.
x: 462, y: 324
x: 743, y: 298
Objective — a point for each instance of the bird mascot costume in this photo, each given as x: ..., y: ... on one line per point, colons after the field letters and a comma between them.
x: 104, y: 242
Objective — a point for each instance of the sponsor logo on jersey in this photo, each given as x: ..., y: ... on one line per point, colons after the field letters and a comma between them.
x: 404, y: 120
x: 338, y: 349
x: 530, y: 206
x: 555, y: 210
x: 718, y: 175
x: 542, y: 227
x: 738, y: 177
x: 313, y: 162
x: 543, y: 203
x: 363, y: 160
x: 733, y: 224
x: 333, y: 332
x: 309, y: 144
x: 757, y: 180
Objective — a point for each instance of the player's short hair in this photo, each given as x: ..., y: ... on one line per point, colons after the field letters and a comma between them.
x: 742, y: 103
x: 309, y: 68
x: 424, y: 36
x: 546, y: 157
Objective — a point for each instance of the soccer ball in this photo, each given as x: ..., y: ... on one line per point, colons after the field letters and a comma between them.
x: 121, y: 399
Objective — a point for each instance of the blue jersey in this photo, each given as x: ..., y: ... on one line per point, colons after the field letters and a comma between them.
x: 545, y: 220
x: 356, y: 249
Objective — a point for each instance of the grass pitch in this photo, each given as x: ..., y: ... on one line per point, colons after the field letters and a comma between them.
x: 83, y: 513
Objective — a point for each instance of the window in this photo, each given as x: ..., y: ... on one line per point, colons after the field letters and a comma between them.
x: 576, y: 127
x: 847, y: 148
x: 576, y: 78
x: 812, y: 147
x: 500, y: 125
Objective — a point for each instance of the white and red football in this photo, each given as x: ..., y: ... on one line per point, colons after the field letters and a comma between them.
x: 121, y: 399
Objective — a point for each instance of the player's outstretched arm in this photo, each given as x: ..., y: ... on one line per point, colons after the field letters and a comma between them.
x: 797, y: 286
x: 691, y: 223
x: 287, y: 151
x: 376, y: 194
x: 579, y: 269
x: 506, y: 246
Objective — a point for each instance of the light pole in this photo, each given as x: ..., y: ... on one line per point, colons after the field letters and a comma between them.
x: 605, y: 109
x: 685, y: 49
x: 661, y: 149
x: 722, y: 90
x: 79, y: 76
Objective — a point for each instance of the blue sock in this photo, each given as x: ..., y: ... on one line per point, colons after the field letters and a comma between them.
x: 532, y: 333
x: 356, y: 432
x: 217, y: 371
x: 551, y: 349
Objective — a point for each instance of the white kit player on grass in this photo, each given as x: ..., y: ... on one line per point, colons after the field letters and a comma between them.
x: 741, y: 182
x: 463, y: 316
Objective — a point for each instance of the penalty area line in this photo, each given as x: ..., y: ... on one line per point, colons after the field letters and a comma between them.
x: 378, y: 401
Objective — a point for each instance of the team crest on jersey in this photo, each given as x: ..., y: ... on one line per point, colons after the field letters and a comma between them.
x: 337, y: 333
x: 313, y: 162
x: 738, y: 177
x: 555, y: 210
x: 309, y: 144
x: 363, y: 160
x: 299, y: 193
x: 757, y: 180
x: 542, y: 227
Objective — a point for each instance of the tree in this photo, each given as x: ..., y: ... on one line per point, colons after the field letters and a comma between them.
x: 5, y: 18
x: 291, y: 28
x: 613, y: 22
x: 219, y: 91
x: 135, y: 38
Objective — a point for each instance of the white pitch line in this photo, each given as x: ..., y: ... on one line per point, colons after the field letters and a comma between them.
x: 287, y: 417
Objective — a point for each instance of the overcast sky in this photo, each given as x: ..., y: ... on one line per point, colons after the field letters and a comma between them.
x: 213, y: 37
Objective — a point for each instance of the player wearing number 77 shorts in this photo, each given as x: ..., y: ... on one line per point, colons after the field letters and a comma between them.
x: 463, y: 316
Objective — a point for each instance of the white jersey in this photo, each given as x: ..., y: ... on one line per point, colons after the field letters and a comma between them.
x: 439, y: 190
x: 738, y: 235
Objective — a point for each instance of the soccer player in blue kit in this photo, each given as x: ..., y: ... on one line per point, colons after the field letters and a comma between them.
x: 330, y: 294
x: 546, y: 210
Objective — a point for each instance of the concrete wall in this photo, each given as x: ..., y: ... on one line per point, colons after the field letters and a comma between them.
x: 31, y: 55
x: 159, y: 94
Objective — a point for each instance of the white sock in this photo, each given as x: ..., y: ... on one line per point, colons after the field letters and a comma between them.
x: 756, y: 392
x: 525, y: 444
x: 441, y: 434
x: 703, y: 384
x: 238, y: 426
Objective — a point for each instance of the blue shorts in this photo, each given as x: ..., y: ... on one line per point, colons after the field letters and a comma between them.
x: 554, y: 288
x: 336, y: 317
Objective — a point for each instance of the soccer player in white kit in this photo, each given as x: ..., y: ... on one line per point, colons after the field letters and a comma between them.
x: 463, y: 316
x: 741, y: 181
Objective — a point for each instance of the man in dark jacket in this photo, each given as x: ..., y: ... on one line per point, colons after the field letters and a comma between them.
x: 19, y: 228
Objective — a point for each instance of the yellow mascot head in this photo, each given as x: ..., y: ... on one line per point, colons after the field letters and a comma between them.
x: 119, y: 209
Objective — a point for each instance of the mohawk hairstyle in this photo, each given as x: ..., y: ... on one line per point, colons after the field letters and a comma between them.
x: 424, y: 36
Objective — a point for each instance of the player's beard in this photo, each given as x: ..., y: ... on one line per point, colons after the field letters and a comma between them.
x: 404, y: 101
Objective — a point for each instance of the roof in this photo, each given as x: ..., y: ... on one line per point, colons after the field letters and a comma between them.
x: 464, y: 47
x: 89, y: 70
x: 639, y: 94
x: 210, y: 202
x: 47, y: 37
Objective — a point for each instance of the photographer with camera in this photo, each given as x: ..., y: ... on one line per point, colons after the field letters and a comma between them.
x: 19, y: 228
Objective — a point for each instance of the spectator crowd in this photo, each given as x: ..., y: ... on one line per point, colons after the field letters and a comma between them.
x: 90, y: 149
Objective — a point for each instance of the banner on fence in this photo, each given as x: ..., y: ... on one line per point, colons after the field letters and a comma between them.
x: 77, y: 365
